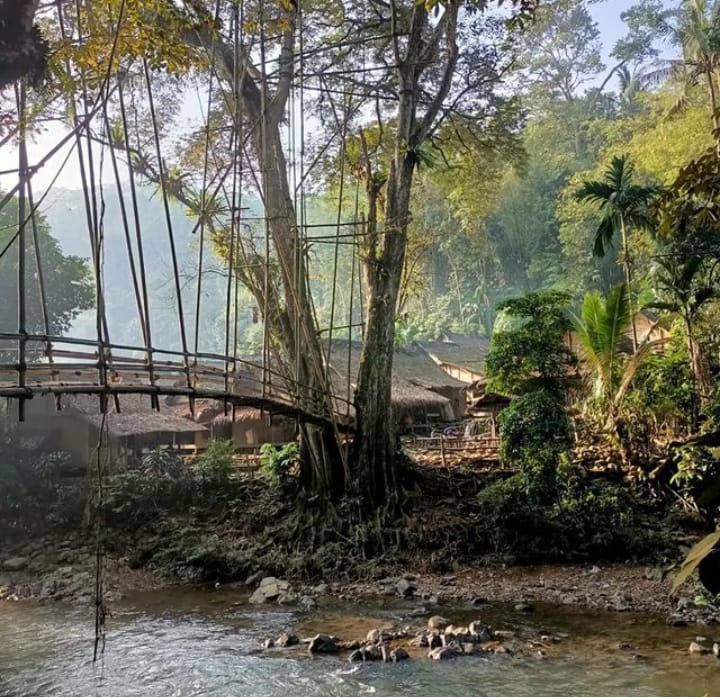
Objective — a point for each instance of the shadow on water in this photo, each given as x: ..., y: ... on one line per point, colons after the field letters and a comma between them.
x: 205, y: 644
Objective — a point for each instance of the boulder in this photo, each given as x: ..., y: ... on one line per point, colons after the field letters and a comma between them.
x: 321, y: 589
x: 437, y: 623
x: 323, y: 643
x: 15, y: 564
x: 698, y: 648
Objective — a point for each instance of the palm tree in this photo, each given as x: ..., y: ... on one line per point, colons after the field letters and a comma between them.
x: 699, y: 36
x: 600, y: 329
x: 624, y: 207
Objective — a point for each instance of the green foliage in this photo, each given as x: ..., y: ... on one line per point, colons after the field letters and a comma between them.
x: 584, y: 520
x: 279, y: 465
x: 601, y: 329
x: 663, y: 395
x: 214, y: 464
x: 527, y: 349
x: 535, y: 431
x: 68, y: 283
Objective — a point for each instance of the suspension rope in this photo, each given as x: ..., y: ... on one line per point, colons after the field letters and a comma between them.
x: 168, y: 220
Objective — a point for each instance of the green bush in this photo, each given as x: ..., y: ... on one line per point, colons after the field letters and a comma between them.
x: 534, y: 432
x: 278, y: 465
x: 587, y: 519
x: 214, y: 464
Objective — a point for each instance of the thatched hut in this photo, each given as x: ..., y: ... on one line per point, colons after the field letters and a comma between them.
x: 129, y: 428
x: 460, y: 355
x: 421, y: 390
x: 247, y: 427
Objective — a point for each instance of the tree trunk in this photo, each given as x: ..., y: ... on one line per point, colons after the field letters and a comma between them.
x: 627, y: 266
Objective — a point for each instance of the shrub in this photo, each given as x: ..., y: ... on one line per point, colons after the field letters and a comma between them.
x: 534, y: 432
x: 278, y: 465
x: 215, y: 463
x: 587, y: 519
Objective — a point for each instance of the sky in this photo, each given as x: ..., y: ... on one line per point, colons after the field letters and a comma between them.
x: 607, y: 14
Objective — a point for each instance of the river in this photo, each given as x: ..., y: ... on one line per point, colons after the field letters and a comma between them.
x: 186, y: 643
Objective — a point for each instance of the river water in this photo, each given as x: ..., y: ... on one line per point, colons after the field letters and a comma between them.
x: 194, y: 643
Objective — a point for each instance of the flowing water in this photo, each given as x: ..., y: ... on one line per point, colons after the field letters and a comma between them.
x: 193, y: 644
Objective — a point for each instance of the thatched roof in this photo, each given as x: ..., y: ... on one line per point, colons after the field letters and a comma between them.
x: 135, y: 417
x: 415, y: 377
x: 461, y: 350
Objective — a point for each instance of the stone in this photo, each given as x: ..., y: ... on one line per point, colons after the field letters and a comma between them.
x: 287, y: 598
x: 504, y: 634
x: 373, y: 636
x: 698, y: 648
x: 268, y: 644
x: 15, y: 564
x: 307, y: 602
x: 321, y: 589
x: 435, y: 640
x: 716, y: 650
x: 477, y: 601
x: 442, y: 653
x: 270, y: 588
x: 448, y: 580
x: 286, y: 639
x: 398, y: 654
x: 404, y: 588
x: 480, y: 632
x: 323, y: 643
x: 421, y: 640
x: 524, y: 607
x: 437, y: 623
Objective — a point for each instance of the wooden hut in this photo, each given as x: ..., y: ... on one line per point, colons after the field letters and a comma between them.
x: 127, y: 432
x: 421, y: 391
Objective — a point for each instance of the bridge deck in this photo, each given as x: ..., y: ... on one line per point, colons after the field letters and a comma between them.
x: 240, y: 384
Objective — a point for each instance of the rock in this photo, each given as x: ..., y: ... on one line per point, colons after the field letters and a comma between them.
x: 448, y: 580
x: 716, y: 650
x: 289, y: 599
x: 286, y: 639
x: 478, y: 601
x: 404, y: 588
x: 307, y: 602
x: 15, y: 564
x: 437, y: 623
x: 268, y: 644
x: 677, y: 621
x: 595, y: 570
x: 323, y: 643
x: 321, y: 589
x: 623, y: 646
x: 442, y: 653
x: 367, y: 653
x: 398, y: 654
x: 524, y: 607
x: 435, y: 640
x: 479, y: 632
x: 421, y: 640
x: 373, y: 636
x: 504, y: 634
x: 698, y: 648
x: 270, y: 588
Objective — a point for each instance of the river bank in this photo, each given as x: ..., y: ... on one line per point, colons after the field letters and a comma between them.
x: 64, y: 570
